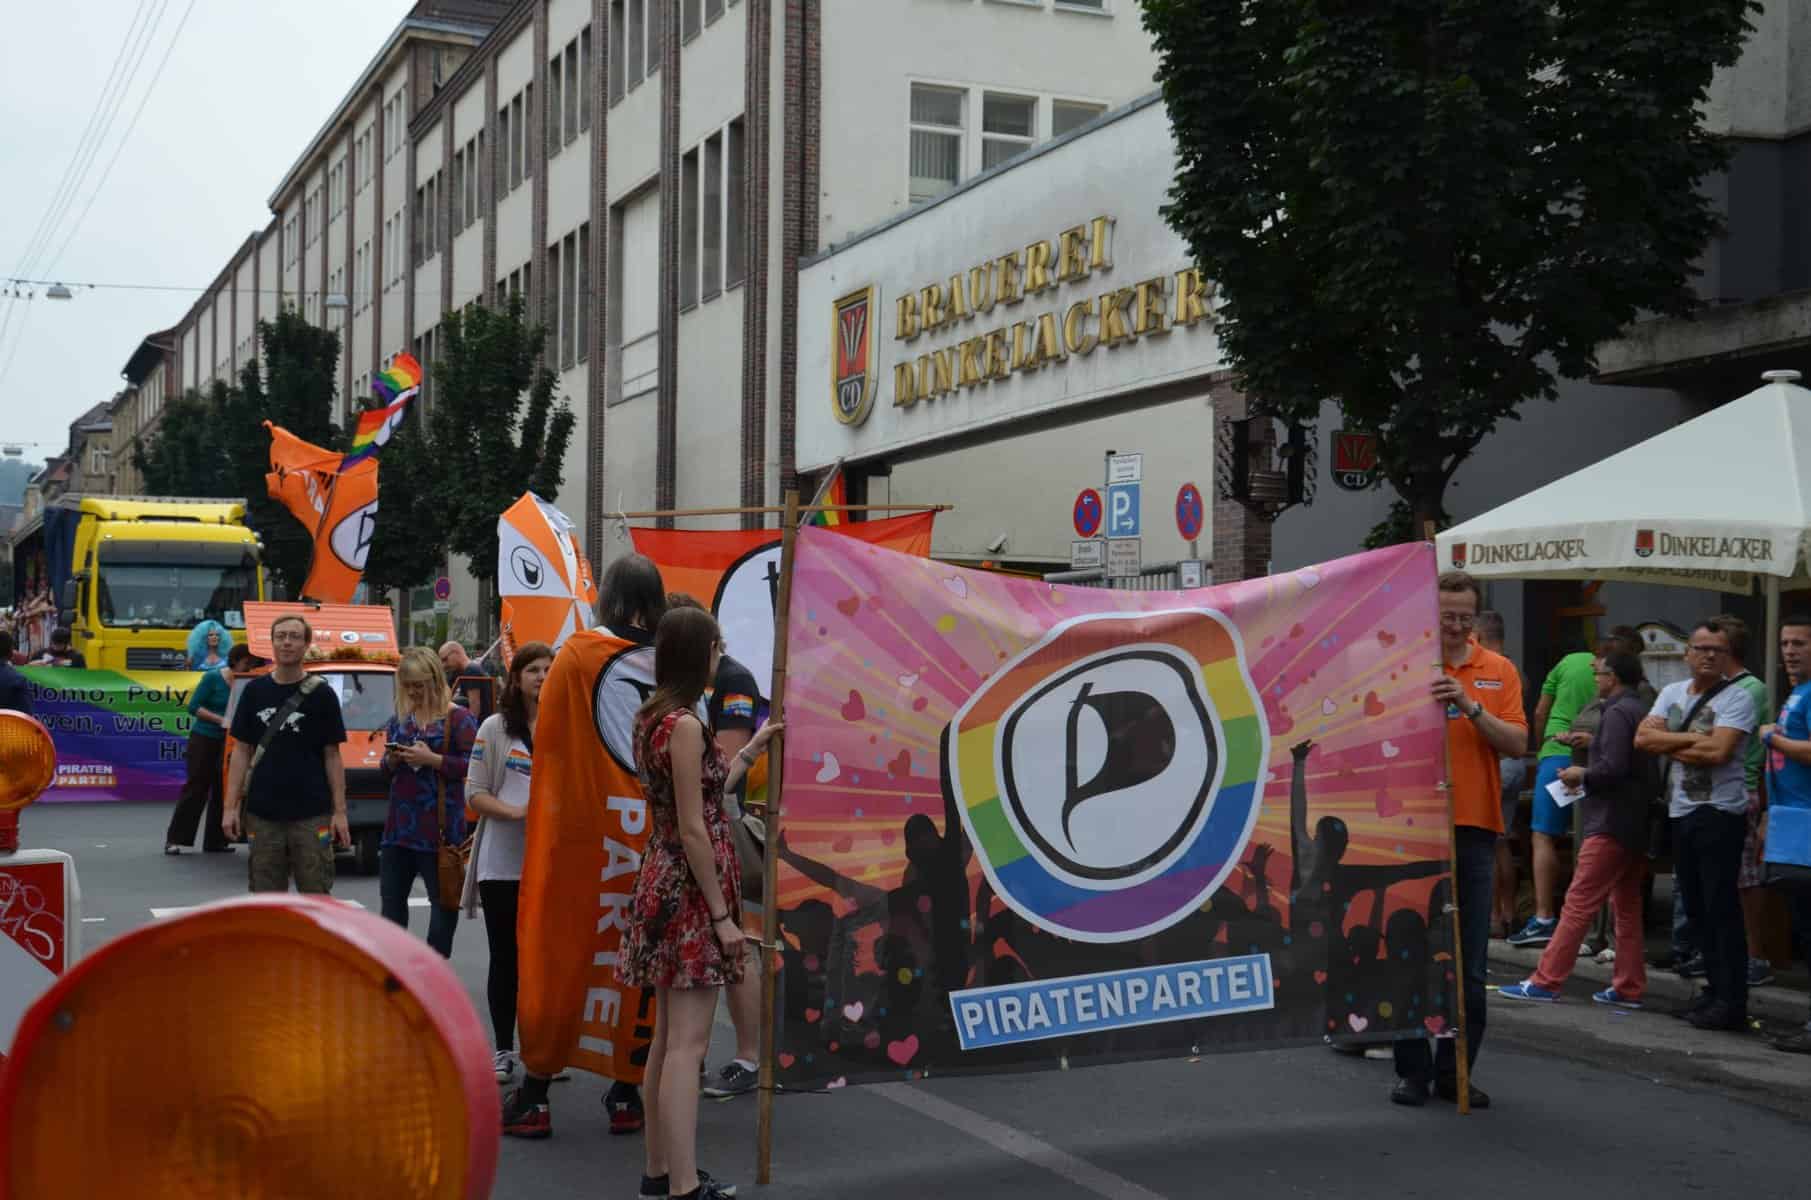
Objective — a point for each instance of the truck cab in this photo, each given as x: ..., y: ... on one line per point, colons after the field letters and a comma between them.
x: 143, y: 571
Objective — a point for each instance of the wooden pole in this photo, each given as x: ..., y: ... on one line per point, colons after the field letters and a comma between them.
x: 770, y: 864
x: 652, y: 513
x: 1461, y: 1044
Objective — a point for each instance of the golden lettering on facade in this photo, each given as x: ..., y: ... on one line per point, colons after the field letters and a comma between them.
x: 1020, y: 347
x: 998, y: 366
x: 1075, y: 321
x: 1072, y: 258
x: 1149, y: 307
x: 1114, y: 328
x: 905, y: 384
x: 968, y: 367
x: 958, y: 300
x: 1050, y: 341
x: 930, y: 302
x: 1101, y: 255
x: 1194, y: 298
x: 981, y: 288
x: 1037, y: 268
x: 1007, y: 287
x: 906, y: 326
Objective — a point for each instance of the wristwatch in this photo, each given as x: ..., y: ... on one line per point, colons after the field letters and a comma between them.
x: 1477, y: 710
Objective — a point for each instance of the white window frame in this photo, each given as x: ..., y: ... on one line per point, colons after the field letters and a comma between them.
x: 959, y: 130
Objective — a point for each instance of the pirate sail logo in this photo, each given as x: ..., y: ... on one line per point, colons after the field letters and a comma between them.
x: 852, y: 345
x: 1108, y: 776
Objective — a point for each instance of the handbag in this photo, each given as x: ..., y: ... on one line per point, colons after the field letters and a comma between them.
x: 1791, y: 871
x: 450, y: 859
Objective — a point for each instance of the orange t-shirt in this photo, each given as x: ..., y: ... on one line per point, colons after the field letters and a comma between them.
x: 1471, y: 763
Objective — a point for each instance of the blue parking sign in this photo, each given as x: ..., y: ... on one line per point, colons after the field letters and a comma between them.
x: 1123, y: 510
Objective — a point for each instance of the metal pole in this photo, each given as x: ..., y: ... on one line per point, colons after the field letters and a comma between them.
x: 1773, y: 642
x: 770, y: 864
x: 1461, y: 1043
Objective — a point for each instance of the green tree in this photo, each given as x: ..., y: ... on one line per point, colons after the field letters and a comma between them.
x: 185, y: 455
x: 408, y: 547
x: 1428, y: 211
x: 496, y: 430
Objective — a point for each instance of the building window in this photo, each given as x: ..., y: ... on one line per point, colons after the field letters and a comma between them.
x: 690, y: 21
x: 1096, y: 6
x: 636, y: 43
x: 657, y: 29
x: 582, y: 317
x: 586, y: 79
x: 713, y: 216
x: 503, y: 141
x: 569, y: 108
x: 555, y: 101
x: 618, y: 47
x: 1009, y: 127
x: 515, y: 143
x: 712, y: 10
x: 568, y: 297
x: 936, y: 140
x: 1069, y: 115
x: 735, y: 188
x: 528, y: 119
x: 688, y: 229
x: 458, y: 213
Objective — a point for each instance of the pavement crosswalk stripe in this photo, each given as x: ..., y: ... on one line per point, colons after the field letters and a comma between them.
x: 160, y: 914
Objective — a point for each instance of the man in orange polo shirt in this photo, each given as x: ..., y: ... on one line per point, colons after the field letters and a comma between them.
x: 1482, y: 696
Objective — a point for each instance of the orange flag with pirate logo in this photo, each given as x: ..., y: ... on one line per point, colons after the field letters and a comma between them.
x: 339, y: 509
x: 587, y: 828
x: 736, y: 574
x: 543, y: 580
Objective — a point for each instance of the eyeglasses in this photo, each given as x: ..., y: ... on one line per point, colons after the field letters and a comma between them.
x: 1460, y: 620
x: 288, y: 637
x: 1708, y: 650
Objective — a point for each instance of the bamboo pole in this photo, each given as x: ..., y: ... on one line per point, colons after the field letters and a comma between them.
x: 1461, y: 1043
x: 652, y: 513
x: 770, y: 865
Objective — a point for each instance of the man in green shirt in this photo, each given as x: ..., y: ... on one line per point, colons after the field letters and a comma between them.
x: 207, y: 749
x: 1569, y: 686
x: 1748, y: 877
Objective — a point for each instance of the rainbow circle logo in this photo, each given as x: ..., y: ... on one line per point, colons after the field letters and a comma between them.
x: 1109, y: 774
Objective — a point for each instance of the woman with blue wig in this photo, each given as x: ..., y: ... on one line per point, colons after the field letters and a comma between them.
x: 209, y: 643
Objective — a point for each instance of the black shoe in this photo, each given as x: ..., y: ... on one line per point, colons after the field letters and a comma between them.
x: 733, y: 1080
x: 1718, y: 1017
x: 1692, y: 968
x: 1798, y: 1043
x: 1450, y: 1093
x: 654, y: 1187
x: 1698, y: 1004
x: 1410, y: 1092
x: 526, y: 1119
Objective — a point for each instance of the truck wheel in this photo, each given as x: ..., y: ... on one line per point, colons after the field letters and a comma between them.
x: 364, y: 851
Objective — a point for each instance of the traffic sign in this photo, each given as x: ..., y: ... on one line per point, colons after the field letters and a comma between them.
x: 1125, y: 468
x: 1191, y: 514
x: 1088, y: 510
x: 1088, y: 554
x: 1125, y: 558
x: 442, y: 607
x: 1123, y: 510
x: 443, y: 588
x: 1189, y: 574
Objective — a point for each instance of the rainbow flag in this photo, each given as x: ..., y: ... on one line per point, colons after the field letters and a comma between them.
x: 834, y: 493
x: 396, y: 386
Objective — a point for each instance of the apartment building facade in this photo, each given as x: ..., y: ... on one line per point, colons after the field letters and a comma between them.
x: 647, y: 175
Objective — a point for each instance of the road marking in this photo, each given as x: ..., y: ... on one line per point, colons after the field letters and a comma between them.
x: 159, y: 914
x: 93, y: 920
x: 1016, y: 1142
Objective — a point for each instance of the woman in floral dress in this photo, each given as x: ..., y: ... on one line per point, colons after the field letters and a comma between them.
x: 684, y: 935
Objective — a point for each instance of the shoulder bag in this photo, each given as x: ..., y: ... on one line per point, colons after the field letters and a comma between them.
x: 449, y: 859
x: 277, y: 721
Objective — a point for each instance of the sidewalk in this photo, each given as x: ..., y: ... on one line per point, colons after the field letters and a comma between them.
x: 1783, y: 1002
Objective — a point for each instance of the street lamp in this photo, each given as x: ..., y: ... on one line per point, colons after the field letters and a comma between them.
x: 57, y: 291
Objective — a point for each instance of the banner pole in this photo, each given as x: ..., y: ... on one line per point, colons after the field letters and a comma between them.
x: 764, y: 510
x: 770, y: 859
x: 1461, y: 1043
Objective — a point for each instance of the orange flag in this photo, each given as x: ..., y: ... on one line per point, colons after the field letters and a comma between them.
x: 587, y: 829
x: 543, y: 580
x: 339, y: 509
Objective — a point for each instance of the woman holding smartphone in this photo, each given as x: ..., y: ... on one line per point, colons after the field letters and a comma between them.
x: 684, y: 936
x: 496, y: 787
x: 428, y: 744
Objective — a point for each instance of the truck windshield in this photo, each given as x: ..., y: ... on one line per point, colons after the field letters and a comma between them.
x: 174, y: 595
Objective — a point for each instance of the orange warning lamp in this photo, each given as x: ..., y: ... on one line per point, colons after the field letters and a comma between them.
x: 28, y: 765
x: 275, y: 1045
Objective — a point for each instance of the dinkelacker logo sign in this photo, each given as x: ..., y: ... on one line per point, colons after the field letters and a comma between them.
x: 1672, y: 545
x: 1478, y: 554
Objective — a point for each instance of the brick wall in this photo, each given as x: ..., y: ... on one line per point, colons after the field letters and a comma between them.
x: 758, y: 130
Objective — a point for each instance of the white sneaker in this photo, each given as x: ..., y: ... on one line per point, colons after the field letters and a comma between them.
x: 1607, y: 955
x: 504, y: 1062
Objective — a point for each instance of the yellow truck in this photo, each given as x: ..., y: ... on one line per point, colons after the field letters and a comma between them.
x: 134, y: 574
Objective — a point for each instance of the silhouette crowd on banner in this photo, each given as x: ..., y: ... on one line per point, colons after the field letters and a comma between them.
x: 854, y: 984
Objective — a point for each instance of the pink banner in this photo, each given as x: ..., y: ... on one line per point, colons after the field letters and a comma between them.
x: 1027, y: 822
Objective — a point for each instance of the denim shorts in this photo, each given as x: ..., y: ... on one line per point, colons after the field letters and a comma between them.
x: 1550, y: 818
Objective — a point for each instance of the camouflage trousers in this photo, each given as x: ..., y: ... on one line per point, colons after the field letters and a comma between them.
x: 284, y: 850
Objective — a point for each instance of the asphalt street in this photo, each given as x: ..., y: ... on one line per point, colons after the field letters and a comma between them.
x: 1587, y: 1101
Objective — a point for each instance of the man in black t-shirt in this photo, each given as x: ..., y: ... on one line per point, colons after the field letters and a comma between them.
x: 295, y: 799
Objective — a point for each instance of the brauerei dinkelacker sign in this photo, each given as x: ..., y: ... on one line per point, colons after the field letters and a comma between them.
x: 1052, y: 284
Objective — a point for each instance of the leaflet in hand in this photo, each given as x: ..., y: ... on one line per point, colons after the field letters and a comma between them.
x: 1563, y: 795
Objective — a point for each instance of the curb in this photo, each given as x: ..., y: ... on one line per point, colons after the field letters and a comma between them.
x: 1786, y: 1005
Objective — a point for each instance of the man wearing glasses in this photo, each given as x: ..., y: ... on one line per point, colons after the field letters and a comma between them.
x: 1482, y: 695
x: 286, y: 770
x: 1702, y: 725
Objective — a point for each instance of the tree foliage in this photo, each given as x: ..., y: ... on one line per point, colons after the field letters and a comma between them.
x: 496, y: 428
x: 1429, y: 211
